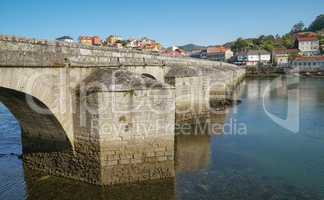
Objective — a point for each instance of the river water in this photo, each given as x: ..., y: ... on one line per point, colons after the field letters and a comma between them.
x: 256, y: 158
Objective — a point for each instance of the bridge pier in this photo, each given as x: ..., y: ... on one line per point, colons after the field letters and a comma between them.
x: 124, y: 132
x: 192, y: 93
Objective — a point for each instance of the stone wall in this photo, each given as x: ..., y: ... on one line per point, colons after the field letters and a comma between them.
x: 33, y: 53
x: 192, y: 98
x: 136, y: 135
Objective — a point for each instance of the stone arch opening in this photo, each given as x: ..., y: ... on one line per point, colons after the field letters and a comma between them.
x: 148, y: 76
x: 41, y: 133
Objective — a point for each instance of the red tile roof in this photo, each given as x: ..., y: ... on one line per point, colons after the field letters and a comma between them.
x: 217, y: 49
x: 285, y: 51
x: 280, y: 51
x: 302, y: 37
x: 293, y: 50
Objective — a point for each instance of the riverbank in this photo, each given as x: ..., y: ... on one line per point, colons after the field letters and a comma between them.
x: 273, y: 71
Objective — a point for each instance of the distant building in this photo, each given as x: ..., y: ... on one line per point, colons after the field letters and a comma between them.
x: 67, y: 39
x: 118, y: 45
x: 241, y: 58
x: 148, y: 44
x: 280, y: 57
x: 85, y: 40
x: 96, y: 40
x: 219, y: 53
x: 308, y: 64
x: 201, y: 54
x: 132, y: 43
x: 146, y: 41
x: 308, y: 43
x: 112, y: 40
x: 156, y: 47
x: 256, y: 57
x: 143, y: 44
x: 295, y: 52
x: 174, y: 52
x: 88, y: 40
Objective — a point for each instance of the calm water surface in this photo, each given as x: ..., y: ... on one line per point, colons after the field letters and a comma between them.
x: 269, y: 162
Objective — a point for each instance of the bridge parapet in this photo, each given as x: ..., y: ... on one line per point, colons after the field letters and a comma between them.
x: 41, y: 53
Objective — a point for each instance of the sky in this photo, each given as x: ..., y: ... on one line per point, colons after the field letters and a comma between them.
x: 171, y: 22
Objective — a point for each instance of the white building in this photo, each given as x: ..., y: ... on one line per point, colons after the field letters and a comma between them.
x: 67, y: 39
x: 255, y: 57
x: 201, y: 54
x: 308, y: 44
x: 308, y: 64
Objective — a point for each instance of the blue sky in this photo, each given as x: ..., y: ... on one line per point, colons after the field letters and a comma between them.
x: 172, y: 22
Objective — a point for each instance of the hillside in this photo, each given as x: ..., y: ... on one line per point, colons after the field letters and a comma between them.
x: 191, y: 47
x: 270, y: 42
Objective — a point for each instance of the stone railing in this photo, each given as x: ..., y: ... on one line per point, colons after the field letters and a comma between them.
x: 23, y: 52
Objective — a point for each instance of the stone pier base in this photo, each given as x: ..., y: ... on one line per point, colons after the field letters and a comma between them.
x: 124, y: 132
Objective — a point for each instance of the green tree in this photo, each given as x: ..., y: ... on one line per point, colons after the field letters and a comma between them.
x: 318, y: 24
x: 322, y: 43
x: 299, y: 27
x: 288, y: 41
x: 268, y: 45
x: 241, y: 45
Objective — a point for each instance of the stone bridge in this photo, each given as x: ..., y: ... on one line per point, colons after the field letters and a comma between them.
x: 101, y: 115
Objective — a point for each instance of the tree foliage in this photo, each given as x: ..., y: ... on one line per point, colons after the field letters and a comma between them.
x: 288, y: 41
x: 299, y: 27
x: 270, y: 42
x: 242, y: 45
x: 318, y: 24
x: 266, y: 42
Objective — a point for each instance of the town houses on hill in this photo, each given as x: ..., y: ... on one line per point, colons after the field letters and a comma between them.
x: 144, y: 43
x: 306, y: 52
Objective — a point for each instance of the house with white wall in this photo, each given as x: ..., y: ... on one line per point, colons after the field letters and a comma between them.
x: 308, y: 43
x: 255, y: 57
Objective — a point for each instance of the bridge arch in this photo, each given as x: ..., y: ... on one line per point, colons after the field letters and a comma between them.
x: 148, y: 76
x: 41, y: 133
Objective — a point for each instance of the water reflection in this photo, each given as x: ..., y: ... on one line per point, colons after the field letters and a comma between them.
x: 40, y: 186
x: 193, y: 152
x: 267, y: 163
